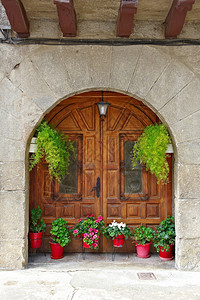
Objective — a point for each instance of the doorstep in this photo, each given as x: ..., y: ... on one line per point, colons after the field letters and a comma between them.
x: 72, y: 261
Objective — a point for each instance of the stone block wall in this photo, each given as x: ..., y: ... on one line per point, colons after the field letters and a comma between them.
x: 33, y: 79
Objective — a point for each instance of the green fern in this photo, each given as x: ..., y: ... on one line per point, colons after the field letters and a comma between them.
x: 150, y: 149
x: 55, y: 147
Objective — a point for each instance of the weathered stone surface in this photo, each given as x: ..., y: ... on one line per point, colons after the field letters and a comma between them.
x: 12, y: 150
x: 76, y: 61
x: 12, y: 215
x: 12, y: 176
x: 142, y: 28
x: 13, y: 253
x: 187, y: 254
x: 190, y: 56
x: 3, y: 17
x: 10, y: 126
x: 183, y: 104
x: 31, y: 114
x: 187, y: 129
x: 95, y: 29
x: 2, y: 75
x: 99, y: 65
x: 10, y: 97
x: 33, y: 84
x: 53, y: 71
x: 187, y: 219
x: 173, y: 79
x: 124, y: 60
x: 189, y: 181
x: 150, y: 65
x: 88, y: 66
x: 44, y: 28
x: 189, y: 152
x: 12, y: 56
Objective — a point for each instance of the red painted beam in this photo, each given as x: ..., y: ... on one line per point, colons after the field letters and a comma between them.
x: 176, y: 17
x: 127, y: 10
x: 17, y: 17
x: 67, y: 17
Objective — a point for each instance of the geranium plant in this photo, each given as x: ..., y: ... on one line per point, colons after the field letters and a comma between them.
x: 165, y: 234
x: 150, y: 149
x: 115, y: 229
x: 90, y: 230
x: 143, y: 235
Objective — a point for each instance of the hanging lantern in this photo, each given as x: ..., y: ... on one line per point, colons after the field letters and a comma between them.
x: 102, y: 108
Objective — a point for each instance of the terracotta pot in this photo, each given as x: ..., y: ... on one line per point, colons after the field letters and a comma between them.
x: 142, y: 250
x: 85, y: 245
x: 118, y: 241
x: 35, y: 239
x: 56, y: 250
x: 164, y: 255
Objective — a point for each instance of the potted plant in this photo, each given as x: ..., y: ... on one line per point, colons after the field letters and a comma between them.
x: 143, y: 236
x: 89, y: 230
x: 118, y: 232
x: 55, y: 147
x: 36, y: 227
x: 150, y: 149
x: 164, y: 238
x: 60, y: 235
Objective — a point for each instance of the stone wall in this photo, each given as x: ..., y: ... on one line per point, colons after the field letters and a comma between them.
x: 33, y: 79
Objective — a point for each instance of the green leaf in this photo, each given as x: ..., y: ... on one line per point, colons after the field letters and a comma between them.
x: 150, y: 149
x: 55, y: 147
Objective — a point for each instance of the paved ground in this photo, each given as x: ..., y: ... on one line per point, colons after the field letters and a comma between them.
x: 98, y: 277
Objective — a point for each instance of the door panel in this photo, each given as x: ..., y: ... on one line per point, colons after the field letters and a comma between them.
x: 100, y: 154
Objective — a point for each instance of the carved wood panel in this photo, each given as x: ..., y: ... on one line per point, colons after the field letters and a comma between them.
x: 100, y: 154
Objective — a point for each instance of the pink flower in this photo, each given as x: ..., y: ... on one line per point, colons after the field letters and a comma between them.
x: 79, y: 220
x: 91, y: 233
x: 100, y: 218
x: 95, y: 245
x: 96, y: 241
x: 90, y: 229
x: 95, y: 236
x: 75, y: 231
x: 95, y: 230
x: 90, y: 216
x: 85, y: 235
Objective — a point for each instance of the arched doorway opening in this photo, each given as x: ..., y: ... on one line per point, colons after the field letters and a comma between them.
x: 103, y: 148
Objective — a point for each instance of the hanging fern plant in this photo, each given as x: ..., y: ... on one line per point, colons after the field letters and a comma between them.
x: 150, y: 149
x: 55, y: 147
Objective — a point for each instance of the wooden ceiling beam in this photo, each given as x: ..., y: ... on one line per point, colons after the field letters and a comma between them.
x: 67, y: 17
x: 176, y: 17
x: 127, y: 10
x: 17, y: 17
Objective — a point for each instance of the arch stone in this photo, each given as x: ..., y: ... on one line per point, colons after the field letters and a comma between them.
x: 38, y: 78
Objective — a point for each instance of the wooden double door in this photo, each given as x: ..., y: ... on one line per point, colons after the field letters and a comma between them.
x: 101, y: 180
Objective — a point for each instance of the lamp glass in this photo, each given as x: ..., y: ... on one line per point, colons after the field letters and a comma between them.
x: 102, y: 107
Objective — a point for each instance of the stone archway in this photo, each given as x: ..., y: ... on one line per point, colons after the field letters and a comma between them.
x: 38, y: 78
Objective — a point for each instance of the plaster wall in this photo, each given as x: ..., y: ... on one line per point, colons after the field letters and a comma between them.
x: 33, y: 79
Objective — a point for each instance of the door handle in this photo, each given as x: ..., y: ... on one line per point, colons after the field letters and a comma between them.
x: 97, y: 187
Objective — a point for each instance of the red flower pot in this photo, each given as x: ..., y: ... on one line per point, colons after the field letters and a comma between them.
x: 142, y: 250
x: 85, y: 245
x: 35, y: 239
x: 164, y: 255
x: 56, y: 250
x: 118, y: 241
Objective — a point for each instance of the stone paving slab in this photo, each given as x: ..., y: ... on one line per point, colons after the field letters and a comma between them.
x: 98, y: 277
